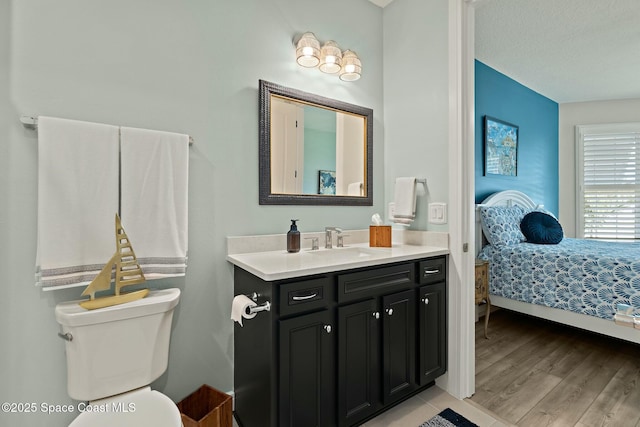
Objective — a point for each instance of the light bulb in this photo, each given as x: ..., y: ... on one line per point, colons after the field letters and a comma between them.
x: 330, y: 58
x: 308, y: 50
x: 351, y: 68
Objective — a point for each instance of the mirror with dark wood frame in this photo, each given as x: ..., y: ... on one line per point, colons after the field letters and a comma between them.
x: 313, y: 150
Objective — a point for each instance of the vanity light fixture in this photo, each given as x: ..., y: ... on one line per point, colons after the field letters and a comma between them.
x: 330, y: 58
x: 351, y: 66
x: 308, y: 50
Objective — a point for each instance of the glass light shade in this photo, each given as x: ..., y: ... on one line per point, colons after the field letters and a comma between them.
x: 351, y: 66
x: 330, y: 58
x: 308, y: 50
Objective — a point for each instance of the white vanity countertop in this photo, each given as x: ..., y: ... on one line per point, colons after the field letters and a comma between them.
x: 273, y: 265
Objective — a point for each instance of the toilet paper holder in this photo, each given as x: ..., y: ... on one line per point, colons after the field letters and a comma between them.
x: 266, y: 306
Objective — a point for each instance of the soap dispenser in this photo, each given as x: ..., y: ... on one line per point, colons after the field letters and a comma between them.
x: 293, y: 237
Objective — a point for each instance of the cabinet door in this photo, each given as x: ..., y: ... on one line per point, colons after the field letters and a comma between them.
x: 307, y: 371
x: 398, y: 345
x: 432, y: 331
x: 358, y: 361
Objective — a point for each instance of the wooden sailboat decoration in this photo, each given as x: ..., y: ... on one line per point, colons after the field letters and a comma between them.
x: 128, y: 272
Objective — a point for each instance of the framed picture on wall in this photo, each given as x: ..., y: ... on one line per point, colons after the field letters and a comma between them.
x: 500, y: 147
x: 326, y: 182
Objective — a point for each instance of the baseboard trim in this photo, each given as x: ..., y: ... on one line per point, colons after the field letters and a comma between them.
x: 233, y: 400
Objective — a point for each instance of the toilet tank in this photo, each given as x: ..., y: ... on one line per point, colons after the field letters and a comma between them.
x: 119, y: 348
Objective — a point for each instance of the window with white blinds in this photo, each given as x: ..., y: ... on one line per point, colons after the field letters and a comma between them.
x: 608, y: 190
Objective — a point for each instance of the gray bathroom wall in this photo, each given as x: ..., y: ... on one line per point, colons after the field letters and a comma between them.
x: 5, y: 31
x: 190, y: 67
x: 416, y: 100
x: 193, y: 67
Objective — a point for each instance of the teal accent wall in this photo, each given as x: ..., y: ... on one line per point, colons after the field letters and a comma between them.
x: 319, y: 154
x: 319, y: 145
x: 503, y: 98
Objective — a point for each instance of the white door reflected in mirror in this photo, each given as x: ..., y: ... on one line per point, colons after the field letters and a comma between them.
x: 316, y: 150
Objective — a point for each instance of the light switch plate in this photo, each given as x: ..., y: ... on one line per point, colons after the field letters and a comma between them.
x: 438, y: 213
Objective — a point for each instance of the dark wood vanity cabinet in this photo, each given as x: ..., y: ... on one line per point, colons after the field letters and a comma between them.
x: 432, y: 320
x: 342, y: 347
x: 358, y: 361
x: 398, y: 345
x: 307, y: 370
x: 432, y: 334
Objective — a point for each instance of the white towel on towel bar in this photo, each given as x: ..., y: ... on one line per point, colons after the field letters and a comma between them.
x: 154, y: 176
x: 405, y: 200
x: 77, y: 198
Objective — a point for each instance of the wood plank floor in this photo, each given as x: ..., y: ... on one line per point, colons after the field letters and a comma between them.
x: 537, y: 373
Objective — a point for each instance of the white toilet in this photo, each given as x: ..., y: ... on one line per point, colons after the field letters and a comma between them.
x: 113, y: 354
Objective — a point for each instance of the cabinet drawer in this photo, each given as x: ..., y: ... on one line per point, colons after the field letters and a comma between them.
x: 374, y: 282
x: 433, y: 270
x: 302, y: 296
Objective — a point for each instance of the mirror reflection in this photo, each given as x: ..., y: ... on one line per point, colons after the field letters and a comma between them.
x: 313, y: 150
x: 316, y: 150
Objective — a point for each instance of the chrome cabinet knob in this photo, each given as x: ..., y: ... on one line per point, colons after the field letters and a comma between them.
x: 376, y: 314
x: 389, y: 311
x: 327, y: 328
x: 425, y: 300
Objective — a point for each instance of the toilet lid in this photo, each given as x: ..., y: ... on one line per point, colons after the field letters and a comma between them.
x: 140, y: 408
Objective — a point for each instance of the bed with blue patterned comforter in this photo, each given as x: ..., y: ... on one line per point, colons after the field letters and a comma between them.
x: 584, y: 276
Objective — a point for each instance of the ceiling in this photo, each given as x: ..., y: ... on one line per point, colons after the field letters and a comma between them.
x: 566, y: 50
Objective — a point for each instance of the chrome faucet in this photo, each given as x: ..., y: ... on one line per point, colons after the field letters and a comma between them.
x: 314, y: 243
x: 328, y: 237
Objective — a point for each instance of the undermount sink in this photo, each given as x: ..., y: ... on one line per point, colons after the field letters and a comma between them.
x: 270, y: 261
x: 344, y: 253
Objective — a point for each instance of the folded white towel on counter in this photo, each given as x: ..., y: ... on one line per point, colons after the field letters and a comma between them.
x: 77, y: 199
x: 405, y: 200
x: 154, y: 199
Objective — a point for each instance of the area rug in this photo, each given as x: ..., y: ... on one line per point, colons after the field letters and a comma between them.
x: 448, y: 418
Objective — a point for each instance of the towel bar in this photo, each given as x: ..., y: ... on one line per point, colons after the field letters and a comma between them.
x: 31, y: 123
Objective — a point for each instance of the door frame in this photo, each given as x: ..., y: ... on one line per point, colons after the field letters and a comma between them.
x: 460, y: 378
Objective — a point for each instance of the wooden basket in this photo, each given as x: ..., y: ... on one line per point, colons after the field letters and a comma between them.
x: 206, y: 407
x: 380, y: 236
